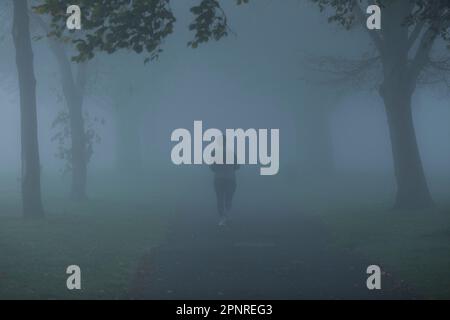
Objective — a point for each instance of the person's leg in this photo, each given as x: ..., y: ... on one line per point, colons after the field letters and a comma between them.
x: 220, y: 196
x: 230, y: 190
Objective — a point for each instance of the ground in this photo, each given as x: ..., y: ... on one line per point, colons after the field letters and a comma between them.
x: 414, y: 246
x: 282, y: 242
x: 287, y: 256
x: 106, y: 236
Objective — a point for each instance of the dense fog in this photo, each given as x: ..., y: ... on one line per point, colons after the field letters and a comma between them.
x: 309, y: 231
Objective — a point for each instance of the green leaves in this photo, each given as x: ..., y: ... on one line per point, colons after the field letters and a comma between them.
x: 139, y: 25
x: 111, y: 25
x: 210, y: 22
x: 343, y: 11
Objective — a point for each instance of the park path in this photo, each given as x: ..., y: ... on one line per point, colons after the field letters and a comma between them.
x: 259, y: 255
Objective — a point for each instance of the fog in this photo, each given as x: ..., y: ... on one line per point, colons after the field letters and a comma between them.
x: 289, y: 235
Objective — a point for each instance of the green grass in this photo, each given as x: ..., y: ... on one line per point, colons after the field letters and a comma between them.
x: 106, y: 237
x: 414, y: 246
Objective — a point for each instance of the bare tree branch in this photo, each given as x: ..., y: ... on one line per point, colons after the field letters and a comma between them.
x: 418, y: 28
x: 344, y: 72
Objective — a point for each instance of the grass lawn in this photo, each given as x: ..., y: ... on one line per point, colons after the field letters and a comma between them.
x: 414, y: 246
x: 105, y: 237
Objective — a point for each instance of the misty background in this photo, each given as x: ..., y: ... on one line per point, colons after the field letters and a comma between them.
x: 336, y: 163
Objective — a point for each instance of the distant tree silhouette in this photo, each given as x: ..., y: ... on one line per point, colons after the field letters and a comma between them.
x: 403, y: 53
x: 31, y: 176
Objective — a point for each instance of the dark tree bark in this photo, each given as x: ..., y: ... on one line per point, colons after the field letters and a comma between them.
x: 412, y: 188
x: 31, y: 178
x: 400, y: 81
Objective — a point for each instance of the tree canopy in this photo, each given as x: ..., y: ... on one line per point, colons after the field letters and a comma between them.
x: 430, y: 15
x: 140, y: 25
x: 410, y: 29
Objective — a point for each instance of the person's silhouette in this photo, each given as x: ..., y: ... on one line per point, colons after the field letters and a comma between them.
x: 225, y: 184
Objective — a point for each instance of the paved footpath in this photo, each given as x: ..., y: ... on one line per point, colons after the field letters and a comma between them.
x: 260, y: 255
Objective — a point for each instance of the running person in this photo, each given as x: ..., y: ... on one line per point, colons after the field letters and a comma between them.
x: 225, y: 187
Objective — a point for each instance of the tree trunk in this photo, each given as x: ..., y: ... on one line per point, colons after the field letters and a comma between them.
x: 31, y: 180
x: 399, y: 84
x: 79, y: 152
x: 73, y: 90
x: 73, y: 93
x: 412, y: 188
